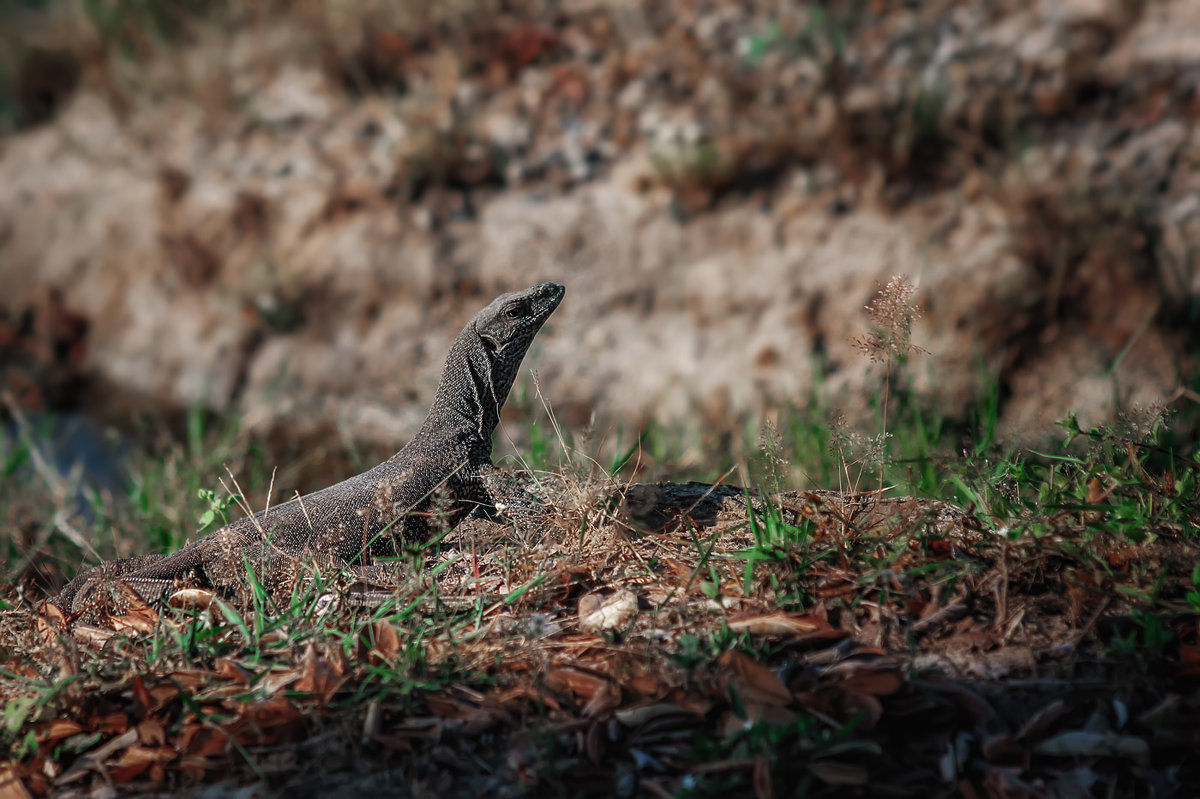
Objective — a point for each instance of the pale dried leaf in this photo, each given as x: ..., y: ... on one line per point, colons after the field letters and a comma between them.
x: 833, y: 773
x: 778, y: 623
x: 612, y: 613
x: 636, y: 716
x: 191, y: 599
x: 11, y: 786
x: 1089, y: 744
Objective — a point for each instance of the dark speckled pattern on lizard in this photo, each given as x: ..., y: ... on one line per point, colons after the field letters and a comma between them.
x: 432, y: 483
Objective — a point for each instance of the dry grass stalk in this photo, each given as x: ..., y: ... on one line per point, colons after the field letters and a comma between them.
x: 892, y: 314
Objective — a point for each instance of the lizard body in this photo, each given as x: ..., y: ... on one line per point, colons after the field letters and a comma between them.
x: 435, y: 480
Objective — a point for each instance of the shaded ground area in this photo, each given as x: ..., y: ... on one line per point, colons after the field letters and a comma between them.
x: 658, y: 641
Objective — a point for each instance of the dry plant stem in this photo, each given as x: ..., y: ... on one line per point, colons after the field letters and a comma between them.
x: 892, y: 314
x: 558, y: 433
x: 887, y: 393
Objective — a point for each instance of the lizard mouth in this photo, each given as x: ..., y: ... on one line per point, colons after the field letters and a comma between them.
x: 547, y: 296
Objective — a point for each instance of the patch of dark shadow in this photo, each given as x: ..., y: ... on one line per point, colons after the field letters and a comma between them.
x: 243, y: 358
x: 662, y: 507
x: 381, y: 63
x: 700, y: 192
x: 173, y: 183
x: 251, y: 216
x: 42, y: 350
x: 281, y: 311
x: 1086, y: 95
x: 43, y: 81
x: 195, y: 262
x: 512, y: 45
x: 340, y: 205
x: 483, y: 46
x: 457, y: 174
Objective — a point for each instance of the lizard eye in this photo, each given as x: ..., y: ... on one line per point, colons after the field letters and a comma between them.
x: 515, y: 311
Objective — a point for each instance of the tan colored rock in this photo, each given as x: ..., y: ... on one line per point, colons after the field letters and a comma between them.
x: 258, y: 251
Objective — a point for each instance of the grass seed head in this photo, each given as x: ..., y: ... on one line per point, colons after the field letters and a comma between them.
x: 892, y: 314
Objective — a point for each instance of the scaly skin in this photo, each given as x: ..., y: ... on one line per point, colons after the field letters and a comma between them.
x: 433, y: 482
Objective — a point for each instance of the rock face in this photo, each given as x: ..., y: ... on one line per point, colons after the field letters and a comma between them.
x: 722, y: 191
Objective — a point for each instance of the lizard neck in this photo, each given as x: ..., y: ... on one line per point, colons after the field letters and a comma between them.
x: 466, y: 408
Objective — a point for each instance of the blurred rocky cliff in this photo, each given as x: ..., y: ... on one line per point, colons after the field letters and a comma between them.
x: 288, y: 210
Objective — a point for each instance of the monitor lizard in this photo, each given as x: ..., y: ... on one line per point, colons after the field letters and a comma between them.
x: 444, y: 473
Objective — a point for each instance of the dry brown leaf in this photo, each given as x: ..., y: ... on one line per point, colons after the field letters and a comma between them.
x: 135, y: 603
x: 277, y: 680
x: 95, y: 758
x: 767, y: 712
x: 219, y: 691
x: 594, y: 743
x: 1190, y: 655
x: 603, y: 701
x: 521, y: 756
x: 423, y: 729
x: 163, y: 693
x: 90, y: 636
x: 446, y: 707
x: 320, y: 675
x: 864, y: 705
x: 645, y: 685
x: 190, y: 678
x: 267, y: 723
x: 1040, y: 722
x: 194, y: 766
x: 230, y: 670
x: 141, y: 694
x: 814, y: 703
x: 111, y: 724
x: 581, y: 682
x: 777, y: 623
x: 11, y: 786
x: 526, y: 693
x: 979, y: 711
x: 875, y: 679
x: 385, y: 643
x: 764, y: 788
x: 1005, y: 751
x: 57, y: 730
x: 199, y: 742
x: 833, y: 773
x: 151, y: 732
x: 50, y: 623
x: 753, y: 681
x: 137, y: 759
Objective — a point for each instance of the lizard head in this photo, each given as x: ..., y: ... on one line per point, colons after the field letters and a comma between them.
x: 508, y: 325
x: 484, y: 361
